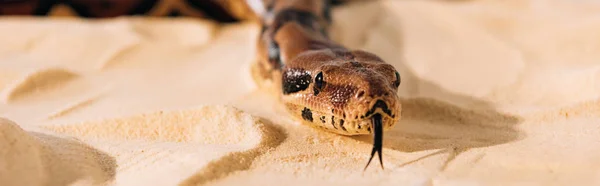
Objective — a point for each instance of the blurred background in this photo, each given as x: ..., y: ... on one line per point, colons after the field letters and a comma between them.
x: 219, y: 10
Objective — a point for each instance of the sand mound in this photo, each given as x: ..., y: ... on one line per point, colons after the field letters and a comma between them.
x: 208, y: 125
x: 69, y: 161
x: 30, y: 158
x: 241, y: 136
x: 20, y: 156
x: 36, y: 81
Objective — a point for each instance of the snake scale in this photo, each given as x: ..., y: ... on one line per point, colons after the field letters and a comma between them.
x: 321, y: 83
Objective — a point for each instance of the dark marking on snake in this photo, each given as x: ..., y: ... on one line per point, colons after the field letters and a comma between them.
x: 295, y: 80
x: 322, y: 119
x: 263, y: 28
x: 307, y: 114
x: 333, y: 122
x: 379, y: 104
x: 274, y: 53
x: 342, y: 125
x: 356, y: 64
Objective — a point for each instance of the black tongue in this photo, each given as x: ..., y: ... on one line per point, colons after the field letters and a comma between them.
x: 377, y: 139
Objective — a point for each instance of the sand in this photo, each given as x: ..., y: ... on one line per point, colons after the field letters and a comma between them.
x: 494, y: 93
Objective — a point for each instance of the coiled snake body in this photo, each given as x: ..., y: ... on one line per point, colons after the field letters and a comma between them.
x: 321, y: 83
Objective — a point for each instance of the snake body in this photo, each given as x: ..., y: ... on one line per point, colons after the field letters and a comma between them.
x: 321, y: 83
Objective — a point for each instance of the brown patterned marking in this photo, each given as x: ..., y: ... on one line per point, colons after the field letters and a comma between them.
x: 339, y: 95
x: 378, y: 86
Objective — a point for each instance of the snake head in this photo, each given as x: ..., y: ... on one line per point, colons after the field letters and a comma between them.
x: 350, y: 92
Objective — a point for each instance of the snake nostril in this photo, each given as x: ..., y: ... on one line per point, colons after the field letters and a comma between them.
x: 360, y: 94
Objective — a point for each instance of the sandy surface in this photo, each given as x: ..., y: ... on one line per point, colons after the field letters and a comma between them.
x: 494, y: 93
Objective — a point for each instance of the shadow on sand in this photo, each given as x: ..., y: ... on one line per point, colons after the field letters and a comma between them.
x: 429, y: 123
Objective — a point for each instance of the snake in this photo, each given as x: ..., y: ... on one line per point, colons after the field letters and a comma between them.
x: 321, y: 83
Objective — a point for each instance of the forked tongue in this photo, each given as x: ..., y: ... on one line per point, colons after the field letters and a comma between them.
x: 377, y: 139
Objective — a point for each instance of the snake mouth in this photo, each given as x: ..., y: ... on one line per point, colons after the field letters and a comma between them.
x: 379, y: 105
x: 377, y: 124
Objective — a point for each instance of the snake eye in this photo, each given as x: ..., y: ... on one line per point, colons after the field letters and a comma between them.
x: 318, y: 83
x: 397, y: 82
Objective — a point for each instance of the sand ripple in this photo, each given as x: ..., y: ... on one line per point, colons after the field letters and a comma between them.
x: 205, y: 143
x: 38, y: 80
